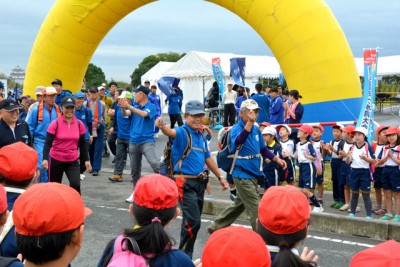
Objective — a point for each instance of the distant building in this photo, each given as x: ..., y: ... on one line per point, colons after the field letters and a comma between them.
x: 18, y: 75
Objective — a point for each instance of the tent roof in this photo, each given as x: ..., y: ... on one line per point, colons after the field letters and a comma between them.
x: 155, y: 72
x: 197, y: 64
x: 389, y: 65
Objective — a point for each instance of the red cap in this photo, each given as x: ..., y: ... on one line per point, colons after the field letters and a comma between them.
x: 307, y: 129
x: 284, y: 210
x: 385, y: 254
x: 235, y: 246
x: 48, y: 208
x: 3, y: 200
x: 319, y: 126
x: 380, y: 129
x: 349, y: 129
x: 266, y: 124
x: 18, y: 162
x: 156, y: 192
x: 392, y: 130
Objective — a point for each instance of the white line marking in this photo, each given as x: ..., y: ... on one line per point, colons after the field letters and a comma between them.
x: 323, y: 238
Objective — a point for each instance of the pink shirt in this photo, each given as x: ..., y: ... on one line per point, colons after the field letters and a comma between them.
x: 66, y: 138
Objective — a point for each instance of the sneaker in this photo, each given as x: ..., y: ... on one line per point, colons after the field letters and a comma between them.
x: 396, y: 218
x: 83, y: 177
x: 345, y: 207
x: 318, y: 209
x: 352, y: 215
x: 95, y: 173
x: 387, y: 217
x: 130, y: 199
x: 232, y: 197
x: 375, y: 208
x: 368, y: 217
x: 116, y: 178
x: 380, y: 211
x: 333, y: 205
x: 210, y: 196
x: 358, y: 209
x: 339, y: 205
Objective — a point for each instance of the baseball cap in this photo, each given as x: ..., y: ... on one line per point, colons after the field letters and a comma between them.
x: 269, y: 130
x: 9, y: 105
x: 93, y: 90
x: 264, y: 123
x: 338, y: 126
x: 142, y: 89
x: 79, y: 95
x: 348, y: 129
x: 392, y: 130
x: 39, y: 90
x: 3, y: 200
x: 56, y: 81
x: 67, y: 102
x: 194, y: 107
x: 48, y: 208
x: 18, y: 162
x: 101, y: 87
x: 319, y: 126
x: 1, y: 85
x: 278, y: 128
x: 284, y: 210
x: 385, y: 254
x: 249, y: 104
x: 380, y: 129
x: 50, y: 90
x: 126, y: 94
x: 235, y: 246
x: 156, y: 192
x: 361, y: 130
x: 307, y: 129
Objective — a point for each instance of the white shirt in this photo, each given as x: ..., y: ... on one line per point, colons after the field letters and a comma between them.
x: 335, y: 144
x: 288, y: 146
x: 301, y: 149
x: 346, y: 148
x: 395, y: 153
x: 378, y: 150
x: 357, y: 152
x: 229, y: 97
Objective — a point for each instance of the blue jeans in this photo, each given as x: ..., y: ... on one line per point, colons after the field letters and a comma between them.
x: 96, y: 149
x: 122, y: 150
x: 136, y: 151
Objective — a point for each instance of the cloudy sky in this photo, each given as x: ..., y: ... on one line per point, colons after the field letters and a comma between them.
x: 185, y: 25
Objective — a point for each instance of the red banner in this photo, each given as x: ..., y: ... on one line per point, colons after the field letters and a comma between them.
x: 369, y: 57
x: 216, y: 61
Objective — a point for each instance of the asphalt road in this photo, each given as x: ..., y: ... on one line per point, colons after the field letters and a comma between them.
x: 110, y: 216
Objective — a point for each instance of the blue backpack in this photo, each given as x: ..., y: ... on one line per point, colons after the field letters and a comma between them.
x: 226, y: 158
x: 123, y: 257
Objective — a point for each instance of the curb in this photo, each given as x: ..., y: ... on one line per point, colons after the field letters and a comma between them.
x: 328, y: 222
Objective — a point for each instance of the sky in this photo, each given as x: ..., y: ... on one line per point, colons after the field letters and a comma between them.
x: 185, y: 25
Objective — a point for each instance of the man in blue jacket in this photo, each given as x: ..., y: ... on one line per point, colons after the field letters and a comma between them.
x: 57, y: 83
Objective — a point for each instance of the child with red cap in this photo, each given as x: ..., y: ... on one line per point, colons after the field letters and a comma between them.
x: 235, y: 246
x: 16, y: 178
x: 283, y: 216
x: 385, y: 254
x: 48, y: 220
x: 318, y: 145
x: 155, y: 205
x: 306, y: 155
x: 5, y: 261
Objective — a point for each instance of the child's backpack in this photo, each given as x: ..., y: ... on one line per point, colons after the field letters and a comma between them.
x: 226, y: 158
x: 123, y: 257
x: 318, y: 162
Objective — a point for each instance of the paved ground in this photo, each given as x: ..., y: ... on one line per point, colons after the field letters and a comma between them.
x: 110, y: 216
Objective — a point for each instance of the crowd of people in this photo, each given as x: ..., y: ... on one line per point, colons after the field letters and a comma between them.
x: 65, y: 132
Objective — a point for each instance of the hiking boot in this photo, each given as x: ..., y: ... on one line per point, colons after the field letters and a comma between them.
x: 130, y: 199
x: 333, y: 205
x: 116, y: 178
x: 345, y: 207
x: 396, y: 218
x: 318, y: 209
x: 387, y: 217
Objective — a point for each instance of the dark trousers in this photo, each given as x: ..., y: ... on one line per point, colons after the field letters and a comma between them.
x: 120, y: 158
x: 229, y: 114
x: 175, y: 118
x: 191, y: 199
x: 335, y: 166
x: 81, y: 161
x: 96, y: 149
x: 112, y: 143
x: 71, y: 169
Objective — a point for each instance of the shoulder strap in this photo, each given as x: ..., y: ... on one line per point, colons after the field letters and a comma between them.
x: 86, y: 115
x: 7, y: 227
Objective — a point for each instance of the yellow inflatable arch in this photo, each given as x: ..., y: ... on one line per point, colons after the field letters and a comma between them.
x: 304, y: 36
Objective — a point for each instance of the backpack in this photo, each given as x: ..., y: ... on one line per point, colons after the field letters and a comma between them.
x: 318, y: 162
x: 5, y: 261
x: 123, y: 257
x: 226, y: 158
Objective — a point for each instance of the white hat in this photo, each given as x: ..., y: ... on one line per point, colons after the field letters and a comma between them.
x: 50, y: 90
x: 249, y: 104
x: 362, y: 130
x: 278, y: 128
x: 101, y: 88
x: 269, y: 130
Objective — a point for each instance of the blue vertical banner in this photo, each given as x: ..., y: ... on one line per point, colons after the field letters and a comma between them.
x: 366, y: 117
x: 218, y: 75
x: 281, y: 78
x: 238, y: 70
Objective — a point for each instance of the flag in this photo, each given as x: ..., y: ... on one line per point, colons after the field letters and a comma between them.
x: 366, y: 117
x: 238, y: 70
x: 167, y: 83
x: 281, y: 78
x: 218, y: 75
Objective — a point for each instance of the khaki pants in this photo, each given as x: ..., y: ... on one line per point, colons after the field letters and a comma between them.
x: 247, y: 199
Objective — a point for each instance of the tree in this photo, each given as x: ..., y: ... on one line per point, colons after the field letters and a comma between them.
x: 94, y: 76
x: 149, y: 62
